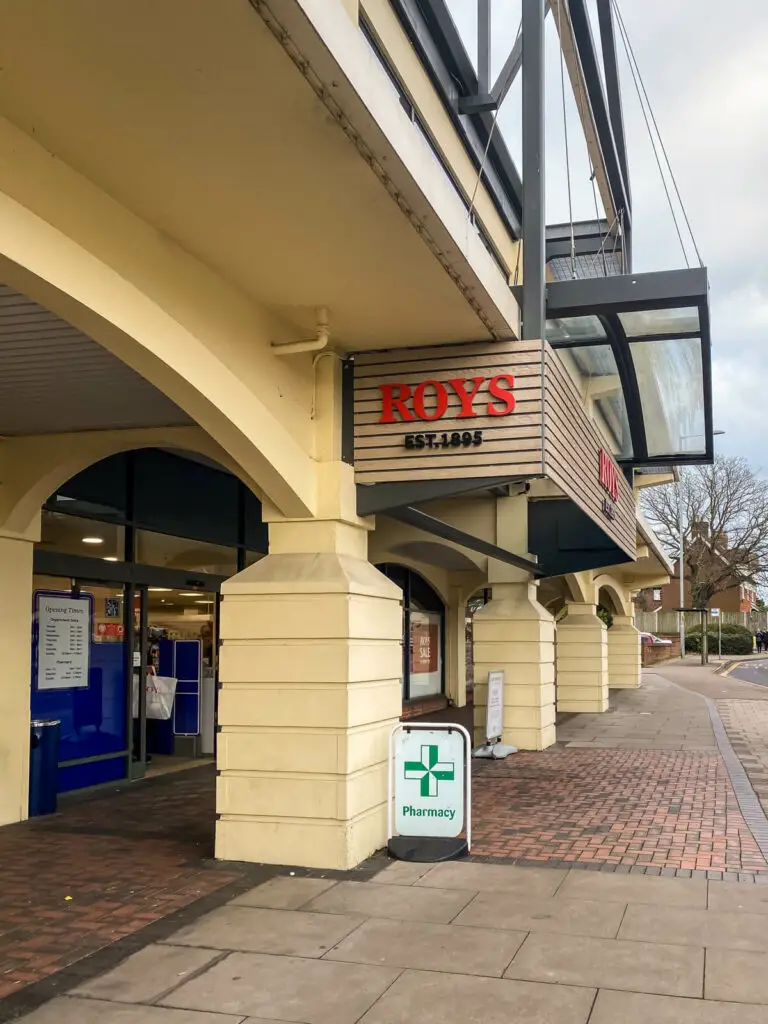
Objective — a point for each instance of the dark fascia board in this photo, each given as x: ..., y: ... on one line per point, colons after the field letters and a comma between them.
x: 626, y: 293
x: 585, y: 44
x: 432, y: 33
x: 581, y: 229
x: 590, y: 237
x: 373, y: 498
x: 590, y: 246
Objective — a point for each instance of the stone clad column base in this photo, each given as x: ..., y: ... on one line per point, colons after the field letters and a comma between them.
x: 624, y: 657
x: 310, y: 691
x: 514, y: 633
x: 582, y: 660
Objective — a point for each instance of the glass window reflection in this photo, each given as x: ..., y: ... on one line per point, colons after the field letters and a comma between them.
x: 671, y: 382
x: 571, y: 329
x: 683, y: 320
x: 597, y: 364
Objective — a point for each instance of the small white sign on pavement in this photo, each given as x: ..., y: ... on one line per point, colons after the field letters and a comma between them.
x: 715, y: 613
x: 494, y: 711
x: 429, y: 766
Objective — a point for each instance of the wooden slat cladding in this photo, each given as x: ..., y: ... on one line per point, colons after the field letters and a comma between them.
x: 511, y: 444
x: 548, y: 433
x: 572, y: 446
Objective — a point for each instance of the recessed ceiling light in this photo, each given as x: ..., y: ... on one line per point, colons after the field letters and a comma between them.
x: 110, y: 558
x: 160, y: 590
x: 189, y: 593
x: 93, y: 540
x: 203, y: 602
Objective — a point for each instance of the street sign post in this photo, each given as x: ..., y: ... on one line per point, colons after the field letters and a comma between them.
x: 430, y: 798
x: 715, y: 613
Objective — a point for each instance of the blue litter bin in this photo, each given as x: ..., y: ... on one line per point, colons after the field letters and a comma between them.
x: 43, y: 766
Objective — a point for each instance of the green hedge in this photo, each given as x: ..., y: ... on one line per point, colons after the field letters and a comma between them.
x: 735, y: 640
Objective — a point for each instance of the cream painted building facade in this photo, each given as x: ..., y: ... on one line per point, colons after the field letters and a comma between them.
x: 207, y: 211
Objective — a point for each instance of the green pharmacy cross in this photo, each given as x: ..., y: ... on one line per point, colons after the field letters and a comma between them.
x: 429, y: 770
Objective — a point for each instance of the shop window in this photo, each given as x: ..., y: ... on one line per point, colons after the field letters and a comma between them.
x: 180, y: 496
x: 182, y: 553
x: 423, y: 634
x: 101, y: 491
x: 76, y: 535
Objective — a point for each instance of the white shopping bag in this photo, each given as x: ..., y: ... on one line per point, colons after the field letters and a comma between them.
x: 161, y: 692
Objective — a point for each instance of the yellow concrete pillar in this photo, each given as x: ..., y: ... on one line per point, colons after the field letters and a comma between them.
x: 514, y: 633
x: 624, y: 659
x: 582, y: 660
x: 456, y: 648
x: 15, y: 644
x: 310, y: 691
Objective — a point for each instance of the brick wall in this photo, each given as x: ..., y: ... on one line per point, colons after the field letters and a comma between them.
x: 654, y: 654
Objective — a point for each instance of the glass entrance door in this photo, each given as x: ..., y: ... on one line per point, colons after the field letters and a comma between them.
x: 175, y: 667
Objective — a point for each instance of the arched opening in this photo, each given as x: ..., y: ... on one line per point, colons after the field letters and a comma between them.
x: 127, y: 575
x: 423, y: 634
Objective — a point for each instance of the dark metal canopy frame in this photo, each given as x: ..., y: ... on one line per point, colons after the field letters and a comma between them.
x: 669, y: 309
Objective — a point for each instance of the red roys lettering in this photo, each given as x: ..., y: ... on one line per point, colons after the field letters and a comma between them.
x: 389, y: 403
x: 497, y: 391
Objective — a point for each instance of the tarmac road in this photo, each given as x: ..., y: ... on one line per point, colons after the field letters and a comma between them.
x: 752, y: 672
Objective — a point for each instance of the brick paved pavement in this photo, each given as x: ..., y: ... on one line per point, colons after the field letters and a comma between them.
x: 746, y: 722
x: 641, y: 786
x: 125, y: 860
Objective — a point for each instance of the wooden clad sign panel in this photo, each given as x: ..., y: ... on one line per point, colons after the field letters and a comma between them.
x: 496, y: 409
x: 576, y: 459
x: 450, y: 411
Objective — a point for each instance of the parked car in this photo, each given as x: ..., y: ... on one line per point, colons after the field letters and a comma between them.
x: 650, y: 638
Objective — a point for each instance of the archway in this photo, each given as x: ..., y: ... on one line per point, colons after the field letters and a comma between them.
x: 132, y: 554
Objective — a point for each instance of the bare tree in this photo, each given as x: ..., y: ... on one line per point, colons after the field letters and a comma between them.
x: 725, y: 525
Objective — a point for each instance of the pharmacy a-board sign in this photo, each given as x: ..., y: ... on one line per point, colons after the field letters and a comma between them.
x: 429, y: 792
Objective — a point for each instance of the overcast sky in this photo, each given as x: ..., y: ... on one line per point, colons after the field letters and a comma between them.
x: 705, y: 69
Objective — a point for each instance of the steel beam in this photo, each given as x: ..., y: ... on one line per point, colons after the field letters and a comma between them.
x: 428, y: 524
x: 582, y: 34
x: 534, y: 231
x: 612, y: 85
x: 484, y: 46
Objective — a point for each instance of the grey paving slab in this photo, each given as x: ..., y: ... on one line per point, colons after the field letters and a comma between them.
x: 430, y: 947
x: 500, y: 910
x: 736, y: 975
x: 493, y: 878
x: 602, y: 963
x: 633, y: 1008
x: 284, y: 893
x: 423, y: 998
x: 254, y: 930
x: 690, y: 927
x: 66, y: 1010
x: 737, y: 897
x: 284, y: 988
x: 148, y: 974
x: 667, y: 892
x: 402, y: 872
x: 405, y: 903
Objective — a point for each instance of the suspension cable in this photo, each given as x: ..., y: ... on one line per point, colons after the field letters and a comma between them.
x: 488, y: 144
x: 648, y: 117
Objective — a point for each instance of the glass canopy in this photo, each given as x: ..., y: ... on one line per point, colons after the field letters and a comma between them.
x: 640, y: 344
